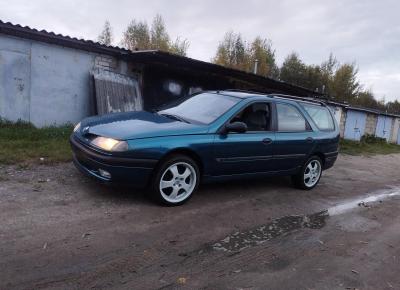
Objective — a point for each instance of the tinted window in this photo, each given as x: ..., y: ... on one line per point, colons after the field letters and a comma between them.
x: 321, y: 116
x: 202, y: 108
x: 257, y: 117
x: 290, y: 119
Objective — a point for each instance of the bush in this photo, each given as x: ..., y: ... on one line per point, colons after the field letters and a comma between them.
x: 371, y: 139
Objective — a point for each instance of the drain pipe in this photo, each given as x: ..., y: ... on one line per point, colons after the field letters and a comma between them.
x: 255, y: 66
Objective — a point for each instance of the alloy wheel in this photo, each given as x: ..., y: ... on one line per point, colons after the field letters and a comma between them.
x: 312, y: 173
x: 178, y: 182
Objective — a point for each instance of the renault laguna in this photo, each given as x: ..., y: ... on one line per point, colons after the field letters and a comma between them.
x: 209, y: 136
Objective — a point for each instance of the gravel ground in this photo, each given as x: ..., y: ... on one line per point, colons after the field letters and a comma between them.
x: 60, y: 230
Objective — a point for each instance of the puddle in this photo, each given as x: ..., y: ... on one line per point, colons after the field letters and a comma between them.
x: 240, y: 240
x: 281, y: 226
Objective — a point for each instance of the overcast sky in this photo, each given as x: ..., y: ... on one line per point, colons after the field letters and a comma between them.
x: 367, y: 32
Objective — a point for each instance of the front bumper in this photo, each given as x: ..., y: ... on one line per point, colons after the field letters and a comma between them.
x: 136, y: 172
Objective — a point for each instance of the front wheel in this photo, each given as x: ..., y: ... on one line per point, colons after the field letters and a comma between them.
x: 309, y: 175
x: 175, y: 180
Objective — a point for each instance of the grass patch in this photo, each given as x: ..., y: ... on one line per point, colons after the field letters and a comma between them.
x: 21, y: 142
x: 369, y: 145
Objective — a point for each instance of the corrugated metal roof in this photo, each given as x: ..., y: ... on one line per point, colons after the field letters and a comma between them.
x: 372, y: 111
x: 59, y: 39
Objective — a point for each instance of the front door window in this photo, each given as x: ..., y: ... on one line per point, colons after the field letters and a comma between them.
x: 257, y: 117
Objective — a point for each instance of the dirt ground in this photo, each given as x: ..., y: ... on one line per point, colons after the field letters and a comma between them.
x: 60, y: 230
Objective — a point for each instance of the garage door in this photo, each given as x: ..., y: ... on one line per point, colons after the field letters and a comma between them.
x: 398, y: 136
x: 355, y: 125
x: 383, y: 127
x: 14, y: 85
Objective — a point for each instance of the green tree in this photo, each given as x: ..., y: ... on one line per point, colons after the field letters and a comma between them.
x: 393, y: 107
x: 234, y: 52
x: 366, y: 99
x: 261, y: 50
x: 328, y: 69
x: 344, y: 85
x: 231, y: 52
x: 293, y: 70
x: 106, y: 36
x: 159, y: 37
x: 335, y: 80
x: 179, y: 46
x: 138, y: 36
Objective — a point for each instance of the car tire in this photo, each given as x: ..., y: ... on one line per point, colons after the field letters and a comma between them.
x: 175, y: 180
x: 309, y: 175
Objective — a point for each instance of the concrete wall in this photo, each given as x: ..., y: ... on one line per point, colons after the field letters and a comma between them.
x: 47, y: 84
x: 337, y: 111
x: 342, y: 122
x: 370, y: 125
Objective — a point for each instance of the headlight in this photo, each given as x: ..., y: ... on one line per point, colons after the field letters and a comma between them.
x: 110, y: 144
x: 77, y: 127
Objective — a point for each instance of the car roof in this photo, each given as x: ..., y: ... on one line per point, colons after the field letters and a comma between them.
x: 249, y: 94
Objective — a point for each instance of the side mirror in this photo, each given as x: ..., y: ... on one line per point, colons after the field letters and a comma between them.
x: 237, y: 127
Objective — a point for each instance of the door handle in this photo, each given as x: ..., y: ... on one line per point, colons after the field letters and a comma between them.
x: 267, y: 141
x: 310, y: 139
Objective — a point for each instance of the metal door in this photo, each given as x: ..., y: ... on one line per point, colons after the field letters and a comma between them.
x: 15, y: 75
x: 355, y: 125
x: 398, y: 136
x: 116, y: 93
x: 383, y: 127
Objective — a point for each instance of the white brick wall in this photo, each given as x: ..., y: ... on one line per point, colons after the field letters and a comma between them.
x: 106, y: 63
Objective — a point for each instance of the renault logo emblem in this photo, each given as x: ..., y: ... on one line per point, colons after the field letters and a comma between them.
x: 85, y: 130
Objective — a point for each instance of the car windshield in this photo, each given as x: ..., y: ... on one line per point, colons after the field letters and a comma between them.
x: 203, y: 108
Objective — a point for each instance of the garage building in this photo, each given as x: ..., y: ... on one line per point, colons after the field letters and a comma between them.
x: 50, y: 79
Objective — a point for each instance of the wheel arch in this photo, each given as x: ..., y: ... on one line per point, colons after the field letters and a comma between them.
x: 321, y: 156
x: 183, y: 151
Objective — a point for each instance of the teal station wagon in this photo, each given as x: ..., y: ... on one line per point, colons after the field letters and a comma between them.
x: 209, y: 136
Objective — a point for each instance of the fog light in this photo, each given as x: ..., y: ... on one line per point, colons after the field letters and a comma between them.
x: 104, y: 173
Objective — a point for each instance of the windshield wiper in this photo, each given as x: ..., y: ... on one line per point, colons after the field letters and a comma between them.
x: 175, y: 117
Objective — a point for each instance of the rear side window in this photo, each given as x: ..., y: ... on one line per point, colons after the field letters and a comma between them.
x: 290, y: 119
x: 321, y: 116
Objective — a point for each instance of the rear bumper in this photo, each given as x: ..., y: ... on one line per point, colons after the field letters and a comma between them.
x: 136, y: 172
x: 330, y: 159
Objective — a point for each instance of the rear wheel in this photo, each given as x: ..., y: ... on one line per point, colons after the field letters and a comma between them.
x: 309, y: 175
x: 175, y: 180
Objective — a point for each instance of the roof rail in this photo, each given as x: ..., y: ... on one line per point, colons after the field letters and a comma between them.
x: 309, y: 99
x: 244, y: 91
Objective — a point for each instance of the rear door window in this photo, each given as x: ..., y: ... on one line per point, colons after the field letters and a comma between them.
x: 321, y: 116
x: 290, y: 119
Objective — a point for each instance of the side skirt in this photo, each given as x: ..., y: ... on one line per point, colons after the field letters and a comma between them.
x: 219, y: 178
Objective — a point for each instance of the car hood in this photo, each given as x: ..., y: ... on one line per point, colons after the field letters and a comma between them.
x: 141, y: 124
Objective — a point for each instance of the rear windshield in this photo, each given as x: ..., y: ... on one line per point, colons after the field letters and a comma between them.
x: 321, y: 116
x: 203, y: 108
